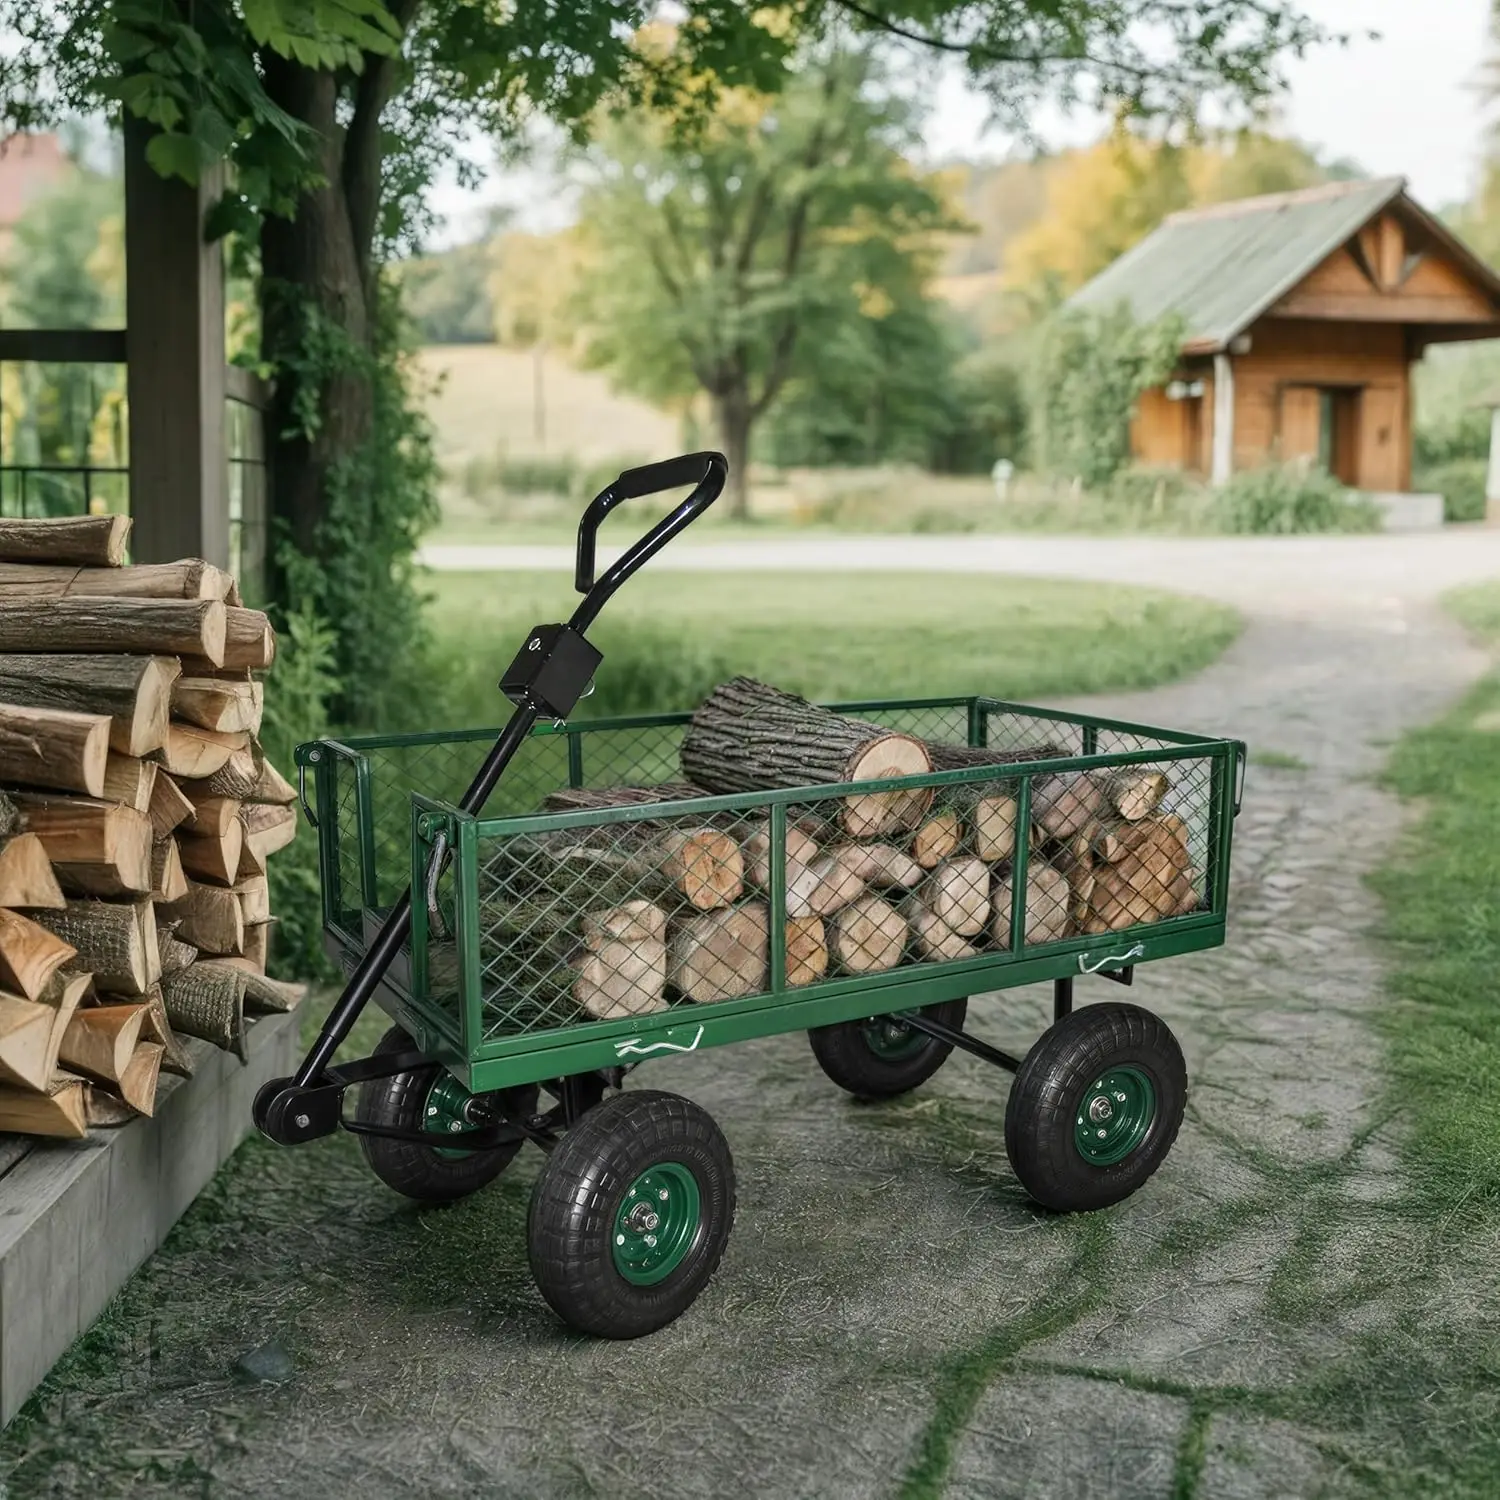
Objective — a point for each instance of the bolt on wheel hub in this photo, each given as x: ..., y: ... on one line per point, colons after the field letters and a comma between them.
x: 657, y: 1224
x: 445, y: 1112
x: 1114, y: 1115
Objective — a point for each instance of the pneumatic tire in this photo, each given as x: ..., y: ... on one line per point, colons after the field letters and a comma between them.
x: 882, y: 1058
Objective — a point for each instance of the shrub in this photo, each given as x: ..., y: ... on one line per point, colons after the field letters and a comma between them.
x: 540, y: 474
x: 1461, y: 483
x: 1288, y: 499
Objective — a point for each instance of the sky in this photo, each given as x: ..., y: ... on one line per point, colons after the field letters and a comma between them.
x: 1403, y: 103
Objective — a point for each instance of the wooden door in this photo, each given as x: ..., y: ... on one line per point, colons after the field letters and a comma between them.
x: 1300, y: 428
x: 1382, y: 439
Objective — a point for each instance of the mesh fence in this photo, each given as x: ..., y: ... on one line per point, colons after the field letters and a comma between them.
x: 615, y: 919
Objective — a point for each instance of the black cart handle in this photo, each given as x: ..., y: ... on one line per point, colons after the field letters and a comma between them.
x: 705, y: 471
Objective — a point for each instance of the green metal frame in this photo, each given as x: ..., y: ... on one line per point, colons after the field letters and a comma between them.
x: 456, y: 1038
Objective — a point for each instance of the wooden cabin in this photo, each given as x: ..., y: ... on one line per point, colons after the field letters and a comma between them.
x: 1304, y: 313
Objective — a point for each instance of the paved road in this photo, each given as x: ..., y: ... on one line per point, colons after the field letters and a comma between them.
x: 893, y: 1318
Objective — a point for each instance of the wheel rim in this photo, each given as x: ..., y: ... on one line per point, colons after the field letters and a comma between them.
x: 1114, y: 1115
x: 657, y: 1223
x: 892, y: 1040
x: 443, y: 1113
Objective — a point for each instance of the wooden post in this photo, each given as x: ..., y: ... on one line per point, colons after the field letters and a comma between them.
x: 174, y: 344
x: 1492, y: 478
x: 1223, y: 439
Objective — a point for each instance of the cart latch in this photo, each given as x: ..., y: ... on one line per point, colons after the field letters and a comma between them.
x: 552, y: 671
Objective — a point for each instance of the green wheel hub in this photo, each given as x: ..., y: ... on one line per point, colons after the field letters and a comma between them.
x: 892, y: 1040
x: 443, y: 1113
x: 1114, y: 1115
x: 657, y: 1224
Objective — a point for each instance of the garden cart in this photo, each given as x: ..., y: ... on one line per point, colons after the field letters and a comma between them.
x: 639, y: 888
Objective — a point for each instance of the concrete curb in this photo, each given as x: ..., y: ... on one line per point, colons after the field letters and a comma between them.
x: 78, y: 1217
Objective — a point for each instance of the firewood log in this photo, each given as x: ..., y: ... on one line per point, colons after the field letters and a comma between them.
x: 265, y: 996
x: 212, y: 703
x: 88, y: 541
x: 947, y: 757
x: 104, y: 1109
x: 30, y: 954
x: 1142, y: 873
x: 59, y: 1112
x: 212, y: 814
x: 50, y: 747
x: 255, y: 899
x: 1064, y: 805
x: 212, y: 858
x: 130, y: 781
x: 595, y: 799
x: 826, y: 886
x: 100, y: 1039
x: 1133, y: 791
x: 935, y: 940
x: 939, y: 835
x: 252, y: 864
x: 881, y: 865
x: 64, y: 993
x: 208, y: 1001
x: 801, y: 851
x: 1046, y: 908
x: 194, y: 752
x: 134, y: 691
x: 868, y: 936
x: 160, y: 627
x: 249, y: 640
x: 168, y: 879
x: 720, y: 955
x: 96, y: 848
x: 258, y: 944
x: 271, y: 786
x: 156, y: 1027
x: 138, y: 1083
x: 806, y: 950
x: 703, y: 866
x: 621, y: 978
x: 747, y: 736
x: 169, y: 808
x: 27, y: 881
x: 209, y: 919
x: 25, y: 1034
x: 175, y: 955
x: 114, y: 941
x: 957, y: 893
x: 191, y: 579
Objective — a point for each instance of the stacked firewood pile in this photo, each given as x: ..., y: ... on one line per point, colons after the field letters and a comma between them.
x: 137, y: 813
x: 621, y: 918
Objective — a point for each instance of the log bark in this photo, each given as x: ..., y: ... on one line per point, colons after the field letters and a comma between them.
x: 269, y: 828
x: 868, y: 936
x: 214, y: 859
x: 935, y: 940
x: 747, y: 736
x: 239, y: 776
x: 27, y: 881
x: 25, y: 1038
x: 806, y: 950
x: 595, y: 799
x: 130, y: 781
x: 1064, y: 805
x: 114, y: 941
x: 30, y: 953
x: 51, y: 747
x: 947, y: 757
x: 272, y: 786
x: 168, y: 878
x: 88, y: 541
x: 209, y: 919
x: 208, y: 1001
x: 938, y: 836
x: 59, y: 1112
x: 249, y: 640
x: 165, y: 628
x: 1047, y: 906
x: 100, y: 1039
x: 156, y: 1027
x: 175, y: 955
x: 212, y: 703
x: 134, y: 691
x: 1135, y: 792
x: 96, y: 848
x: 268, y: 996
x: 191, y: 579
x: 170, y: 807
x: 191, y: 752
x: 720, y: 955
x: 957, y: 893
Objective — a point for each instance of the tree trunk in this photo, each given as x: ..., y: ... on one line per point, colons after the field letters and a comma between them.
x: 732, y: 412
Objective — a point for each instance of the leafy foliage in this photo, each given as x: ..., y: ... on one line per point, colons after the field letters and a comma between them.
x: 447, y: 296
x: 1289, y: 499
x: 1087, y: 371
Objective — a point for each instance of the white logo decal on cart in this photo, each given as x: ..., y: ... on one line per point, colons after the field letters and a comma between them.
x: 635, y: 1047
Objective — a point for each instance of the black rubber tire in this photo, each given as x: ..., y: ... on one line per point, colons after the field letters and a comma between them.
x: 1050, y: 1086
x: 844, y: 1053
x: 578, y: 1196
x: 417, y: 1171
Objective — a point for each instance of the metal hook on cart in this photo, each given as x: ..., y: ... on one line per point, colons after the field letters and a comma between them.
x: 1085, y: 967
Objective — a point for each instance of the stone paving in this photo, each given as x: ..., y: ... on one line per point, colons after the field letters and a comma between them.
x: 893, y: 1318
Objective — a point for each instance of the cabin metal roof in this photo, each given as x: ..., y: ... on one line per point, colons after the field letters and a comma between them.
x: 1223, y: 266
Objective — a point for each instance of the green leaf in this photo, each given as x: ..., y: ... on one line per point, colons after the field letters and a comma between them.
x: 172, y: 154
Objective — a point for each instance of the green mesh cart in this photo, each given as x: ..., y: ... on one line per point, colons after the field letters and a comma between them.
x: 532, y: 944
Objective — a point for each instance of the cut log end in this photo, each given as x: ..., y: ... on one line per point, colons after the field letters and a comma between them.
x: 868, y: 936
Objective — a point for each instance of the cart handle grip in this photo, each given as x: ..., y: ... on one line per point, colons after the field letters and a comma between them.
x: 705, y: 471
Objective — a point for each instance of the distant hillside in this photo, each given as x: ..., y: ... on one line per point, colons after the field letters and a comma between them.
x: 487, y: 404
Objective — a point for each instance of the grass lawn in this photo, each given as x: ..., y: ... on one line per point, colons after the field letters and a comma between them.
x: 667, y: 638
